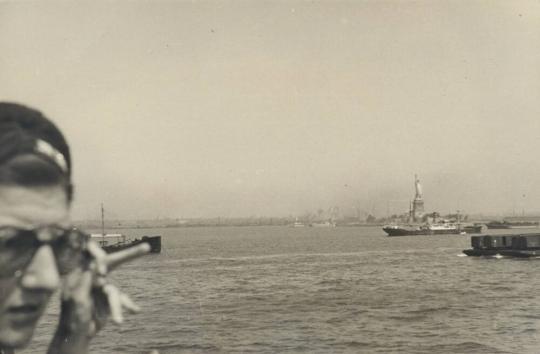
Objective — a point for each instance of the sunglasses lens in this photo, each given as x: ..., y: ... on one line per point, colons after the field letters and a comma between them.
x: 17, y: 248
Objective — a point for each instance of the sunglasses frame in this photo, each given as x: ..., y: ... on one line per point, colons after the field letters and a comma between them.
x: 23, y: 244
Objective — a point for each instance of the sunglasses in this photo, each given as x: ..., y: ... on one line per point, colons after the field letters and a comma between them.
x: 18, y: 246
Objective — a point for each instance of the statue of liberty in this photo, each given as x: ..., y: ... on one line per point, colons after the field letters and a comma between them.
x: 418, y: 188
x: 418, y: 202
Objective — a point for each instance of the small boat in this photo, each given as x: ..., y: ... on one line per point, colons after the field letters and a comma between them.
x: 323, y: 224
x: 475, y: 228
x: 297, y: 223
x: 520, y: 245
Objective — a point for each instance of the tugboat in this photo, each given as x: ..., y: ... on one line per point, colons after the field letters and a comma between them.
x: 521, y: 245
x: 115, y: 242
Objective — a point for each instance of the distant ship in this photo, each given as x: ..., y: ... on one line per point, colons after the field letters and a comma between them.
x: 511, y: 224
x: 443, y: 227
x: 435, y: 226
x: 438, y: 228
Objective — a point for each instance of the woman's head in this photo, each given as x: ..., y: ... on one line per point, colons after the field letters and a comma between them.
x: 35, y: 196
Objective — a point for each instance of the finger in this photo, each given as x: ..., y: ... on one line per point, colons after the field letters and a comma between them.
x: 85, y: 285
x: 99, y: 256
x: 71, y: 281
x: 115, y: 304
x: 96, y: 250
x: 77, y: 285
x: 115, y: 259
x: 129, y: 304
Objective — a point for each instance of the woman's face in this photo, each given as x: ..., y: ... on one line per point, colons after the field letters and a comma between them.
x: 25, y: 294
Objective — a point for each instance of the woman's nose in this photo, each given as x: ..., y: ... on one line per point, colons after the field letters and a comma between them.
x: 42, y: 272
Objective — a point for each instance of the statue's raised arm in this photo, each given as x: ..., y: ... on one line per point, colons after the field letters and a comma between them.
x: 418, y: 188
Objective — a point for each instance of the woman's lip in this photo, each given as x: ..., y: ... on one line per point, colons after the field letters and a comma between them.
x: 23, y: 309
x: 23, y: 315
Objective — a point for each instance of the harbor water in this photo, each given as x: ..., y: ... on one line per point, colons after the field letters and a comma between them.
x: 319, y: 290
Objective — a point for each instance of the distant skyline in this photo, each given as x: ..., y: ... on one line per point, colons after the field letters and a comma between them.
x: 206, y: 109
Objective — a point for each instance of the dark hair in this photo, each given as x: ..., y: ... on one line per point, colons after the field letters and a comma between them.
x: 33, y: 151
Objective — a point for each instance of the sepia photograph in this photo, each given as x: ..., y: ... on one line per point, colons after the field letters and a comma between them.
x: 275, y: 176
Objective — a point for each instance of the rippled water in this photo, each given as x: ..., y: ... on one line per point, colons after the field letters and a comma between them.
x: 320, y: 290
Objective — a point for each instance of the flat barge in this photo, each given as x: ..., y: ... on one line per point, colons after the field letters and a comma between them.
x: 117, y: 242
x: 518, y: 245
x: 512, y: 224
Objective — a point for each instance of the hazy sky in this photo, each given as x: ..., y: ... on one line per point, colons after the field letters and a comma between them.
x: 239, y: 108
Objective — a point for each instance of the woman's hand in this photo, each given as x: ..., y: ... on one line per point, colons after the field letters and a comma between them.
x: 88, y: 300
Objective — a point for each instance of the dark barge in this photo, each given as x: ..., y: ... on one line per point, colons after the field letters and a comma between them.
x: 116, y: 242
x: 518, y: 245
